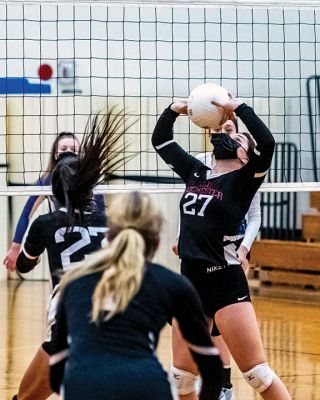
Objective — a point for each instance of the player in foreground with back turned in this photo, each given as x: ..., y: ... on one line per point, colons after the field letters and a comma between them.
x: 211, y: 210
x: 76, y: 229
x: 105, y: 341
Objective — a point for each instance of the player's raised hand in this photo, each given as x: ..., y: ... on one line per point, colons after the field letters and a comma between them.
x: 229, y: 105
x: 180, y: 105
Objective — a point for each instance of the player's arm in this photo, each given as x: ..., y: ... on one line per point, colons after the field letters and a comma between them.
x: 10, y: 259
x: 261, y: 134
x: 259, y: 131
x: 194, y: 328
x: 28, y: 208
x: 162, y: 140
x: 99, y: 199
x: 26, y: 262
x: 59, y: 348
x: 253, y: 218
x: 254, y: 222
x: 32, y: 248
x: 23, y: 221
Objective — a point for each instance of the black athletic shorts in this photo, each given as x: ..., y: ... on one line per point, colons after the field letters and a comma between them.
x: 218, y: 285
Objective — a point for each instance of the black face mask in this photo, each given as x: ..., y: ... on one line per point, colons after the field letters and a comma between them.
x: 65, y: 154
x: 224, y: 147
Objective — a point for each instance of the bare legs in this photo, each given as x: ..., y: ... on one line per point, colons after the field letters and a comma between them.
x: 35, y: 381
x: 238, y: 326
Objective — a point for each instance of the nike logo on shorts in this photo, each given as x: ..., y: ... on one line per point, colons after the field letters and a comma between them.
x: 196, y: 175
x: 242, y: 298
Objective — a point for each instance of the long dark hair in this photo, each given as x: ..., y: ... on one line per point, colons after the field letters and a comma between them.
x: 101, y: 153
x: 251, y: 142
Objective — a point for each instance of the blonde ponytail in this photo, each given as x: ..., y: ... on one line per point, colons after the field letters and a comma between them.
x: 122, y: 279
x: 135, y: 225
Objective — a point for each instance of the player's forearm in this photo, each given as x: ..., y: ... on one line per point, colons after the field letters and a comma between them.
x: 260, y: 133
x: 211, y: 371
x: 251, y: 231
x: 255, y: 125
x: 163, y: 131
x: 25, y: 264
x: 23, y: 221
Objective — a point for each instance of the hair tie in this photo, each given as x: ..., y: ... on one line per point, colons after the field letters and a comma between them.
x: 131, y: 227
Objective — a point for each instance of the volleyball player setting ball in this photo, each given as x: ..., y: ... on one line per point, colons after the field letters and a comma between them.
x: 248, y: 231
x: 212, y: 207
x: 209, y: 116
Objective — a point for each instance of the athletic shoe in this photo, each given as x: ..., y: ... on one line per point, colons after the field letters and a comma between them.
x: 228, y: 394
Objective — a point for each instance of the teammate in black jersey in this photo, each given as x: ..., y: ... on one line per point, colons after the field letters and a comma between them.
x: 72, y: 232
x: 109, y: 334
x: 212, y: 207
x: 64, y: 142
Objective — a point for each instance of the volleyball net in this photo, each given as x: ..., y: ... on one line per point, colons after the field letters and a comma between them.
x: 63, y: 62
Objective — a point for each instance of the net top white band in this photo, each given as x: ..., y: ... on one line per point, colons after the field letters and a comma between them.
x: 152, y: 188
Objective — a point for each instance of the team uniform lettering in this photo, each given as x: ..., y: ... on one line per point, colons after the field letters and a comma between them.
x: 206, y: 188
x: 215, y: 268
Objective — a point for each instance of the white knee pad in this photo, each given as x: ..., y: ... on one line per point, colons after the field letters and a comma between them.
x: 184, y: 381
x: 198, y: 385
x: 260, y: 377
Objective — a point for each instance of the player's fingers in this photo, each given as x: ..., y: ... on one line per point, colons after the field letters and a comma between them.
x: 225, y: 117
x: 230, y: 115
x: 217, y: 103
x: 10, y: 267
x: 244, y: 264
x: 175, y: 249
x: 180, y: 106
x: 177, y: 98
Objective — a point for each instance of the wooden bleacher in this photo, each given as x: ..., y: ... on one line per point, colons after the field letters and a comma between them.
x: 315, y: 200
x: 311, y: 227
x: 291, y: 268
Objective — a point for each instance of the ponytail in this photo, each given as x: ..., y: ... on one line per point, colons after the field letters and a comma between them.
x: 135, y: 225
x: 122, y: 278
x: 122, y: 266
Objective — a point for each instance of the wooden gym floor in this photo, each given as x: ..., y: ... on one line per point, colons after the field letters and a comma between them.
x: 290, y: 330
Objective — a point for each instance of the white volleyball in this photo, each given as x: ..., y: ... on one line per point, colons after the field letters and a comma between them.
x: 200, y: 109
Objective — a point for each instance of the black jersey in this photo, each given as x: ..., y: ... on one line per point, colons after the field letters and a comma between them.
x: 116, y: 359
x: 213, y: 205
x: 65, y: 246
